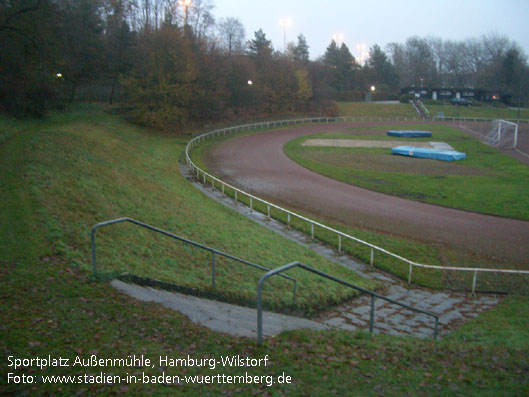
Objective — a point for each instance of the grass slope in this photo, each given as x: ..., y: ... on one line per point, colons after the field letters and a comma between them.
x: 478, y: 112
x: 98, y: 168
x: 370, y: 109
x: 385, y: 110
x: 50, y: 305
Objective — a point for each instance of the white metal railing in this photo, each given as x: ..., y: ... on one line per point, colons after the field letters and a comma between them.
x: 475, y: 119
x: 415, y: 107
x: 424, y: 108
x: 205, y: 176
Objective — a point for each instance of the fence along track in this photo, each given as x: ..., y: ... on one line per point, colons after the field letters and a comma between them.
x: 200, y: 174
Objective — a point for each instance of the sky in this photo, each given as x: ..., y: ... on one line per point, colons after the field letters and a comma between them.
x: 379, y: 22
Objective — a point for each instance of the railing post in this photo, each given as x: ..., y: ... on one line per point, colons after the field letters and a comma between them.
x: 409, y: 276
x: 260, y: 312
x: 268, y: 208
x: 251, y: 205
x: 474, y: 282
x: 288, y: 220
x: 213, y: 283
x: 339, y: 243
x: 312, y: 230
x: 93, y: 243
x: 372, y: 314
x: 372, y: 255
x: 223, y: 188
x: 235, y: 195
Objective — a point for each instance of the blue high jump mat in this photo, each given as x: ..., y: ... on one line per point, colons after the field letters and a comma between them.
x: 409, y: 133
x: 427, y: 153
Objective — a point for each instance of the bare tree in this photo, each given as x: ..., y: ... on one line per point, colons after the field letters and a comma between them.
x: 438, y: 47
x: 200, y: 16
x: 420, y: 61
x: 398, y: 58
x: 232, y: 35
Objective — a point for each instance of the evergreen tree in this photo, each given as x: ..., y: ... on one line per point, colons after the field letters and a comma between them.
x: 260, y: 46
x: 380, y: 69
x: 342, y: 67
x: 300, y: 52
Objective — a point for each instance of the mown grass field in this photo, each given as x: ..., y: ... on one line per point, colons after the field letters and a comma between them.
x: 487, y: 181
x: 62, y: 175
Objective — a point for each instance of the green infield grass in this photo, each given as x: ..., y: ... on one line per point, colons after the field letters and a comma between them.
x: 487, y: 181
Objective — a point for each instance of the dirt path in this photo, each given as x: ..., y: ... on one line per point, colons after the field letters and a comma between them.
x: 256, y: 163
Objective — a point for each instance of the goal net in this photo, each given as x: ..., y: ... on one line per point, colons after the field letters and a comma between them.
x: 502, y: 134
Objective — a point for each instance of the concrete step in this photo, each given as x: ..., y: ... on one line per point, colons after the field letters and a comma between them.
x: 218, y: 316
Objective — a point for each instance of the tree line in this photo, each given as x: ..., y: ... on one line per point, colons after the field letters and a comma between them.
x: 491, y: 62
x: 173, y: 65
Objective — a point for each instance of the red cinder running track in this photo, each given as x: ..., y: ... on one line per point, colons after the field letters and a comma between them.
x: 257, y: 164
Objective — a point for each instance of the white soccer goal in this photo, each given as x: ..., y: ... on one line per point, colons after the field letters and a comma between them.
x: 503, y: 134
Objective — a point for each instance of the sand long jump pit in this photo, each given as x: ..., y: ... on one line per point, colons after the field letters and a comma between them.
x: 361, y: 143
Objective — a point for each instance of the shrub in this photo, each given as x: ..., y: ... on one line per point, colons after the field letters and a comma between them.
x: 432, y: 102
x: 406, y: 98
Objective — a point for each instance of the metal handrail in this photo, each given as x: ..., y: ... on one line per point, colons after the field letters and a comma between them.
x: 187, y: 241
x: 413, y: 104
x: 374, y: 295
x: 424, y: 108
x: 475, y: 119
x: 198, y: 172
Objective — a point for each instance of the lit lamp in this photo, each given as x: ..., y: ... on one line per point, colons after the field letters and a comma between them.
x: 369, y: 94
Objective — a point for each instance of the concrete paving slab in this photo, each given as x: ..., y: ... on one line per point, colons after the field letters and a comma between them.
x: 219, y: 316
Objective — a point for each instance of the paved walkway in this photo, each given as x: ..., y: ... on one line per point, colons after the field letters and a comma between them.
x: 453, y: 308
x: 219, y: 316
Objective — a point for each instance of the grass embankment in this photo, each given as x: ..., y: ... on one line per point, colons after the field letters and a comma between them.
x: 487, y: 181
x: 50, y: 306
x: 401, y: 110
x: 370, y: 109
x: 94, y: 169
x: 478, y: 112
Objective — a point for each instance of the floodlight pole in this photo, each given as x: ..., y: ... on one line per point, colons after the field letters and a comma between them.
x: 285, y: 23
x: 284, y: 38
